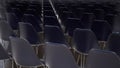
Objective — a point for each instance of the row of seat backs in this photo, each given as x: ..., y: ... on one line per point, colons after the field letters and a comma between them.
x: 95, y: 57
x: 100, y: 27
x: 102, y: 32
x: 50, y: 32
x: 58, y: 55
x: 56, y: 35
x: 48, y: 18
x: 31, y: 14
x: 78, y: 9
x: 83, y: 39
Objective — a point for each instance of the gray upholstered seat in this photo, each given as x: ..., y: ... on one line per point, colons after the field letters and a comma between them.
x: 23, y: 54
x: 83, y: 41
x: 102, y: 59
x: 59, y: 56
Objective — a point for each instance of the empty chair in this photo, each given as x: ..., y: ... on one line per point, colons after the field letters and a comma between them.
x: 23, y: 54
x: 54, y: 34
x: 102, y: 30
x: 30, y: 11
x: 47, y: 7
x: 49, y: 13
x: 99, y: 14
x: 116, y: 23
x: 65, y: 14
x: 98, y: 5
x: 78, y: 11
x: 71, y: 24
x: 84, y: 4
x: 110, y: 19
x: 37, y: 9
x: 110, y: 8
x: 37, y: 3
x: 29, y: 18
x: 57, y: 5
x: 21, y: 6
x: 61, y: 9
x: 89, y: 8
x: 51, y: 20
x: 59, y: 56
x: 33, y: 12
x: 28, y: 32
x: 83, y: 41
x: 113, y: 42
x: 20, y: 3
x: 5, y: 32
x: 3, y: 55
x: 87, y: 19
x: 36, y: 6
x: 13, y: 20
x: 17, y: 11
x: 102, y: 59
x: 46, y: 3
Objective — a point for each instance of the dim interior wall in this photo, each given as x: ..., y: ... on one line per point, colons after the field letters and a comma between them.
x: 3, y: 4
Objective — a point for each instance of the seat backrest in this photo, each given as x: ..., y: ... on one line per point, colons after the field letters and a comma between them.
x: 3, y: 53
x: 102, y: 29
x: 15, y: 10
x: 49, y: 13
x: 99, y: 13
x: 66, y: 14
x: 33, y: 12
x: 87, y: 19
x: 54, y: 34
x: 84, y: 40
x: 116, y: 24
x: 13, y: 20
x: 51, y: 20
x: 30, y: 18
x: 28, y: 32
x: 59, y: 56
x: 102, y: 59
x: 23, y: 53
x: 71, y: 24
x: 36, y: 6
x: 5, y: 30
x: 47, y: 7
x: 113, y: 42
